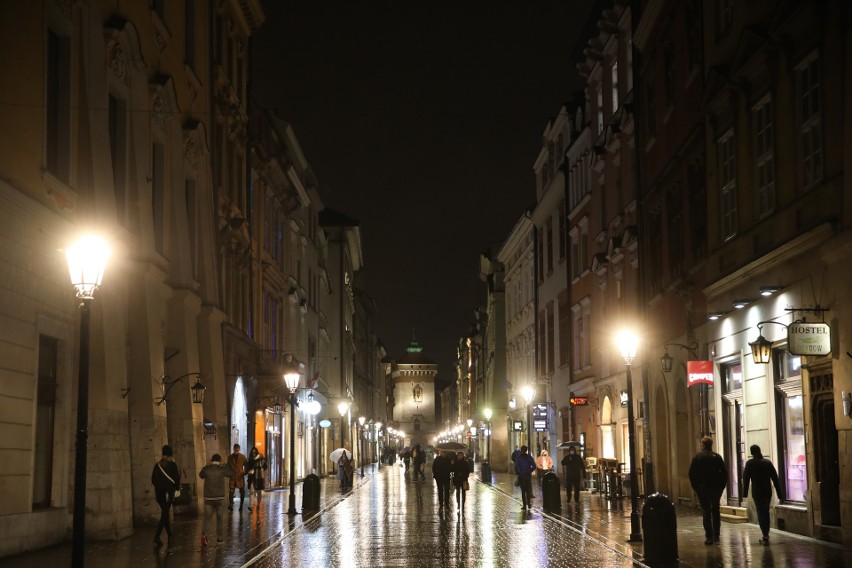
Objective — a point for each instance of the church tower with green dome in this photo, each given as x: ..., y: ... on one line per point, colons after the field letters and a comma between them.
x: 414, y: 395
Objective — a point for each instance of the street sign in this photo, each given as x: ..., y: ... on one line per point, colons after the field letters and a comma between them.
x: 698, y: 372
x: 809, y: 338
x: 518, y: 425
x: 539, y: 413
x: 579, y: 401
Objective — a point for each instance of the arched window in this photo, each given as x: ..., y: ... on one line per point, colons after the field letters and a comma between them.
x: 418, y: 393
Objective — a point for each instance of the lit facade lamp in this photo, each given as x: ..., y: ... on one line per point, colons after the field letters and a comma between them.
x: 628, y: 344
x: 291, y: 379
x: 488, y: 413
x: 667, y: 361
x: 86, y: 260
x: 198, y: 391
x: 343, y: 409
x: 312, y: 407
x: 378, y: 427
x: 361, y: 420
x: 761, y: 348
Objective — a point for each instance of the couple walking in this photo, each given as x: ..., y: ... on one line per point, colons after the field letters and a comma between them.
x: 452, y: 468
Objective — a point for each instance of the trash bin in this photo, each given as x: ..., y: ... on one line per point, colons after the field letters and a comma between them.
x: 550, y: 492
x: 470, y: 464
x: 311, y: 493
x: 485, y: 472
x: 659, y: 529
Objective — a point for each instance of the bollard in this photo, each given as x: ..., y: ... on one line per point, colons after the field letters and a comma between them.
x: 659, y: 529
x: 550, y: 492
x: 485, y: 472
x: 311, y: 493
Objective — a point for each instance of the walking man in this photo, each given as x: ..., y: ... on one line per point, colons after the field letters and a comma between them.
x: 442, y: 467
x: 762, y: 473
x: 238, y: 462
x: 709, y: 477
x: 166, y: 480
x: 524, y: 468
x: 214, y: 475
x: 574, y: 469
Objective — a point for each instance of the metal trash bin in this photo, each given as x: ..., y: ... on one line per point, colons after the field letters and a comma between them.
x: 485, y: 472
x: 311, y: 493
x: 659, y: 530
x: 550, y: 492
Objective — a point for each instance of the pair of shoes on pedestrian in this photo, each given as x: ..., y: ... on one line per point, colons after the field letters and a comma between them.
x: 230, y: 507
x: 716, y: 539
x: 203, y: 540
x: 764, y: 540
x: 249, y: 508
x: 708, y: 541
x: 220, y: 540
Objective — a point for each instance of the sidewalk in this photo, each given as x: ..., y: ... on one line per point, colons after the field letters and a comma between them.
x: 609, y: 521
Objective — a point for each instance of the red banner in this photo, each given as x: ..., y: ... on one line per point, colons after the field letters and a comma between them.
x: 698, y: 372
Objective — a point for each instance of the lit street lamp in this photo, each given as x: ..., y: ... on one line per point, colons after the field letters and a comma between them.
x: 487, y: 413
x: 378, y: 426
x: 627, y: 343
x: 342, y: 408
x: 291, y: 379
x: 528, y: 392
x: 361, y: 420
x: 87, y: 260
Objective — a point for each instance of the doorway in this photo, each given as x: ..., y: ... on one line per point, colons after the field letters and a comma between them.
x: 731, y: 375
x: 827, y: 460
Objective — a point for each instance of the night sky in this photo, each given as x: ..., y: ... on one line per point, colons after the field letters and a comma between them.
x: 421, y: 120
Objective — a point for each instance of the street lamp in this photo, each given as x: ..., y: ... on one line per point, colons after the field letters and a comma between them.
x: 487, y: 413
x: 378, y: 426
x: 361, y: 420
x: 87, y: 260
x: 628, y: 343
x: 342, y: 408
x: 528, y: 392
x: 291, y: 379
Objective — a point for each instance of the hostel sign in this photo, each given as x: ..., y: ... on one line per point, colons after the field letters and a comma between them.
x: 809, y: 338
x: 698, y: 372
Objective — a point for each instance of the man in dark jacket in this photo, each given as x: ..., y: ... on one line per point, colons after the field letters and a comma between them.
x: 166, y: 480
x: 709, y: 476
x: 524, y: 468
x: 214, y: 475
x: 574, y: 469
x: 419, y: 459
x: 442, y: 467
x: 761, y: 471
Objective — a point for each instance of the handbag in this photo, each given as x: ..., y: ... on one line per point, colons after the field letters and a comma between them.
x: 466, y: 485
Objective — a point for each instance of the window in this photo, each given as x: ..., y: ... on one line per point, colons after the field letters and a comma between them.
x: 584, y: 245
x: 58, y: 120
x: 561, y: 228
x: 189, y: 33
x: 764, y: 147
x: 728, y: 185
x: 599, y: 109
x: 732, y: 376
x: 564, y: 322
x: 810, y: 125
x: 651, y: 102
x: 48, y: 357
x: 542, y: 334
x: 575, y: 252
x: 655, y: 242
x: 697, y: 192
x: 674, y: 206
x: 158, y: 195
x: 551, y: 356
x: 118, y: 153
x: 791, y: 433
x: 192, y: 224
x: 694, y: 38
x: 549, y: 252
x: 724, y: 15
x: 540, y: 256
x: 614, y: 79
x: 669, y: 70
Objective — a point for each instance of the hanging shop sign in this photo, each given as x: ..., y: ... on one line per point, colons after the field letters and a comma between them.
x: 698, y: 372
x: 539, y: 413
x: 809, y: 338
x: 579, y: 401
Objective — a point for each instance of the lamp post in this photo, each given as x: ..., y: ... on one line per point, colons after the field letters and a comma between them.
x: 86, y: 263
x: 627, y: 343
x: 342, y: 408
x: 378, y: 426
x: 528, y: 392
x: 361, y: 420
x: 291, y: 379
x: 487, y: 413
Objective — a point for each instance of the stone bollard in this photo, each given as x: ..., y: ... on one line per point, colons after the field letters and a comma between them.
x: 659, y: 529
x: 485, y: 472
x: 311, y: 493
x: 550, y: 493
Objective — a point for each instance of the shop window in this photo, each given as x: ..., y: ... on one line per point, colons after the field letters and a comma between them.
x: 791, y: 432
x: 732, y: 376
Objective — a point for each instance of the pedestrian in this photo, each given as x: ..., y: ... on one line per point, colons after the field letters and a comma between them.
x: 762, y: 474
x: 709, y: 477
x: 574, y: 470
x: 256, y: 478
x: 406, y: 459
x: 166, y: 480
x: 442, y: 467
x: 515, y: 454
x: 214, y: 474
x: 461, y: 472
x: 238, y: 462
x: 344, y: 471
x: 544, y: 464
x: 419, y: 459
x: 524, y: 468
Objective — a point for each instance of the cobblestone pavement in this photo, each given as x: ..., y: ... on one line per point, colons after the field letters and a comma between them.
x: 388, y: 520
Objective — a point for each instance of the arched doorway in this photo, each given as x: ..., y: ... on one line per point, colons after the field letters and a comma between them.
x: 607, y: 430
x: 239, y: 425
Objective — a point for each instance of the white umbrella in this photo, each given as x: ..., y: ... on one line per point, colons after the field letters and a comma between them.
x: 336, y: 454
x: 451, y: 446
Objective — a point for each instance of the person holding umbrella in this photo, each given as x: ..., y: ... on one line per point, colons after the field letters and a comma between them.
x: 442, y: 467
x: 344, y: 470
x: 461, y: 471
x: 574, y: 469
